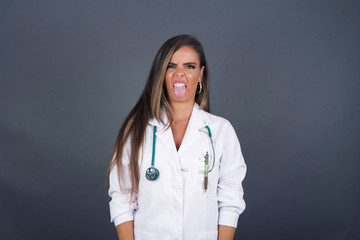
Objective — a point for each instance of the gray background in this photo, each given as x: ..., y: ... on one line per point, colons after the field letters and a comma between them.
x: 285, y: 73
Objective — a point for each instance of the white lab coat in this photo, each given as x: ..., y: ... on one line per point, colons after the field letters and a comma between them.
x: 175, y: 206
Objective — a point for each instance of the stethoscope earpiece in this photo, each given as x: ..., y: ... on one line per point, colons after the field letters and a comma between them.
x: 152, y: 174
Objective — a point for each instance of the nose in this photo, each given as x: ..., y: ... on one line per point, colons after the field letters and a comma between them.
x: 179, y: 74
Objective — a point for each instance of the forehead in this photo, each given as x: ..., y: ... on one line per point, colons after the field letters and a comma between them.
x: 185, y: 54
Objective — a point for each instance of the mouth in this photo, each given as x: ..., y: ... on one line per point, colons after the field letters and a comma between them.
x: 179, y: 89
x: 179, y: 85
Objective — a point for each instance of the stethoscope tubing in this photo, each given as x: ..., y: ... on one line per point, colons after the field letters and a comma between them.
x: 152, y: 173
x: 212, y: 147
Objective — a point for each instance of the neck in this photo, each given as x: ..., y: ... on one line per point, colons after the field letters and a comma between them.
x: 182, y: 111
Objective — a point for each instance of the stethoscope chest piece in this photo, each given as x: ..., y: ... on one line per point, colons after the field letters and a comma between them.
x: 152, y: 174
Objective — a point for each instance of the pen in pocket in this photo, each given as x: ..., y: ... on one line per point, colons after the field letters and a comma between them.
x: 206, y: 171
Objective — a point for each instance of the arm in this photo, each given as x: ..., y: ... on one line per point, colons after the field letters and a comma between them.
x: 226, y: 232
x: 121, y: 206
x: 231, y: 174
x: 125, y: 230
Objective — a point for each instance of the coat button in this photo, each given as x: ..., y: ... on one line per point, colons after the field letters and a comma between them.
x: 184, y: 170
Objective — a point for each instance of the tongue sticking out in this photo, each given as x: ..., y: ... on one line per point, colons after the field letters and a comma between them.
x: 179, y: 91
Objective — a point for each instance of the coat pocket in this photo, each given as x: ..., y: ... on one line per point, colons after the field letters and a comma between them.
x: 140, y: 235
x: 210, y: 235
x: 199, y: 180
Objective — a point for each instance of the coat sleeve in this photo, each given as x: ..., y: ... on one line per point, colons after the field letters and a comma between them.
x: 121, y: 207
x: 232, y: 171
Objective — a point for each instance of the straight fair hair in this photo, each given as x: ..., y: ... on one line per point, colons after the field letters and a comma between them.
x: 151, y: 103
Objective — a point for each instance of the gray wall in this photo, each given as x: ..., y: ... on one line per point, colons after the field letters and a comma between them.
x: 285, y: 73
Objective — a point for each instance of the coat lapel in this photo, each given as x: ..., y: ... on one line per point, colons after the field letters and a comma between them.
x: 164, y: 134
x: 198, y: 120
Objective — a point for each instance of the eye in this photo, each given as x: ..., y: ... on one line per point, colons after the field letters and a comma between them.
x: 190, y: 66
x: 170, y: 66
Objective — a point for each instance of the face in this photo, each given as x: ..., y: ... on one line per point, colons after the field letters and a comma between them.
x: 183, y: 75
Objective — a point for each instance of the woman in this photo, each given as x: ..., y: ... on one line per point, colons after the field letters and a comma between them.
x: 176, y: 170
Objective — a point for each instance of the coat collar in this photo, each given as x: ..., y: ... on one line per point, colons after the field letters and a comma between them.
x: 198, y: 120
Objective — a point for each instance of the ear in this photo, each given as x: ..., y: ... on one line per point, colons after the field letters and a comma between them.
x: 201, y: 73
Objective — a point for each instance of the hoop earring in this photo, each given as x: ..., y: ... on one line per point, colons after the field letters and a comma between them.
x: 200, y: 88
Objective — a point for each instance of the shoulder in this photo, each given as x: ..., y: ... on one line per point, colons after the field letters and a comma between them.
x: 219, y: 126
x: 217, y: 121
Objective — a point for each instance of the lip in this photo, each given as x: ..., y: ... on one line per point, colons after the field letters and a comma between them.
x: 179, y: 84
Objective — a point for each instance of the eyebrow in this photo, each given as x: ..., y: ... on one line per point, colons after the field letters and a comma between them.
x: 187, y: 63
x: 190, y: 63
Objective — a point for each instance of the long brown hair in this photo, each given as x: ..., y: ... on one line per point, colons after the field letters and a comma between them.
x: 150, y: 104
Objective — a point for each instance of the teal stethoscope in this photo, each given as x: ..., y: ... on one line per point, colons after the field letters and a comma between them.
x: 152, y: 173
